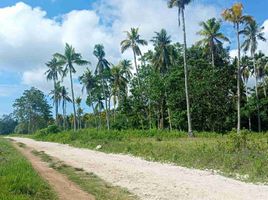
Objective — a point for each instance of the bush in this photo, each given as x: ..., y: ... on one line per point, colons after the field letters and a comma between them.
x: 50, y: 129
x: 21, y: 128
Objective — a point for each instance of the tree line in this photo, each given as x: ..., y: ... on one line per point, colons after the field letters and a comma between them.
x: 174, y: 87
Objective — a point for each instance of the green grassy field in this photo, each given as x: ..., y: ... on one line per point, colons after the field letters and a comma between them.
x: 243, y: 156
x: 18, y: 180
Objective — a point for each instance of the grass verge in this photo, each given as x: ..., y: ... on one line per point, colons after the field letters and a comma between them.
x: 242, y: 156
x: 87, y: 181
x: 18, y: 180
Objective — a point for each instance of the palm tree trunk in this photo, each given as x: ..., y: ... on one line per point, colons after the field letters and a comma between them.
x: 212, y: 55
x: 72, y: 88
x: 136, y: 66
x: 256, y: 91
x: 238, y: 83
x: 56, y: 102
x: 162, y: 114
x: 190, y: 131
x: 64, y: 113
x: 249, y: 118
x: 106, y: 106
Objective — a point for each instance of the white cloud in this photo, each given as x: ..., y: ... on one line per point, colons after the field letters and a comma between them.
x: 29, y: 38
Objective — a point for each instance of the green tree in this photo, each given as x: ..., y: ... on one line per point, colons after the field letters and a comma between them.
x: 32, y: 110
x: 253, y: 33
x: 162, y: 61
x: 245, y: 76
x: 180, y: 4
x: 7, y: 124
x: 64, y: 96
x: 78, y: 101
x: 69, y: 59
x: 235, y: 16
x: 103, y: 71
x: 89, y: 82
x: 118, y: 83
x: 56, y: 97
x: 133, y: 41
x: 53, y: 74
x: 212, y: 37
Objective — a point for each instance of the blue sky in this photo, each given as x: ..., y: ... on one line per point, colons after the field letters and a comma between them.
x: 29, y: 36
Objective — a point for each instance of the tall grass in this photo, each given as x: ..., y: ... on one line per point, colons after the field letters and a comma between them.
x: 243, y: 156
x: 18, y: 180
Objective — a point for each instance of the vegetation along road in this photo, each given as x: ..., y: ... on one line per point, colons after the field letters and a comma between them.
x: 151, y: 180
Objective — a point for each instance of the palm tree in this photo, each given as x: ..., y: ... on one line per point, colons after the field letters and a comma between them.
x: 78, y: 101
x: 56, y: 97
x: 235, y: 16
x: 162, y: 60
x: 88, y: 81
x: 126, y: 68
x: 253, y: 33
x: 119, y: 84
x: 212, y: 37
x: 103, y: 71
x: 180, y: 4
x: 133, y: 41
x: 65, y: 98
x: 245, y: 76
x: 69, y: 59
x: 53, y: 73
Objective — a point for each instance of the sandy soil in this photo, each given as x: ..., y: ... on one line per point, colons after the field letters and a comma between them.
x: 151, y: 180
x: 65, y: 189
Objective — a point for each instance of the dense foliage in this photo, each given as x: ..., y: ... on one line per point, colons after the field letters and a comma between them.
x: 171, y: 86
x: 7, y: 124
x: 32, y: 111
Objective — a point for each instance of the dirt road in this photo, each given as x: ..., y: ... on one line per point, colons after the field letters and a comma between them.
x: 65, y: 189
x: 151, y: 180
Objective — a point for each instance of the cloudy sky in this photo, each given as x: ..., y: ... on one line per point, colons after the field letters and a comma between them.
x: 31, y: 31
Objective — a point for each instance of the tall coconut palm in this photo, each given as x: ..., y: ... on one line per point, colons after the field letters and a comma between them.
x: 162, y: 60
x: 64, y: 98
x: 253, y: 33
x: 103, y: 71
x: 53, y: 73
x: 88, y: 81
x: 69, y: 59
x: 212, y: 37
x: 235, y: 16
x: 133, y: 41
x: 180, y: 4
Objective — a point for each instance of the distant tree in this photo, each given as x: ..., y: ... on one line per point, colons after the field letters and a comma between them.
x: 103, y: 72
x: 253, y: 33
x: 78, y: 101
x: 7, y: 124
x: 32, y: 110
x: 162, y: 61
x: 89, y: 82
x: 64, y: 97
x: 212, y: 37
x: 53, y: 74
x: 133, y: 41
x: 69, y: 59
x: 56, y: 97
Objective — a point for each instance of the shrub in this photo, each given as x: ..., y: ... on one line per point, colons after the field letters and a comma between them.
x: 50, y: 129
